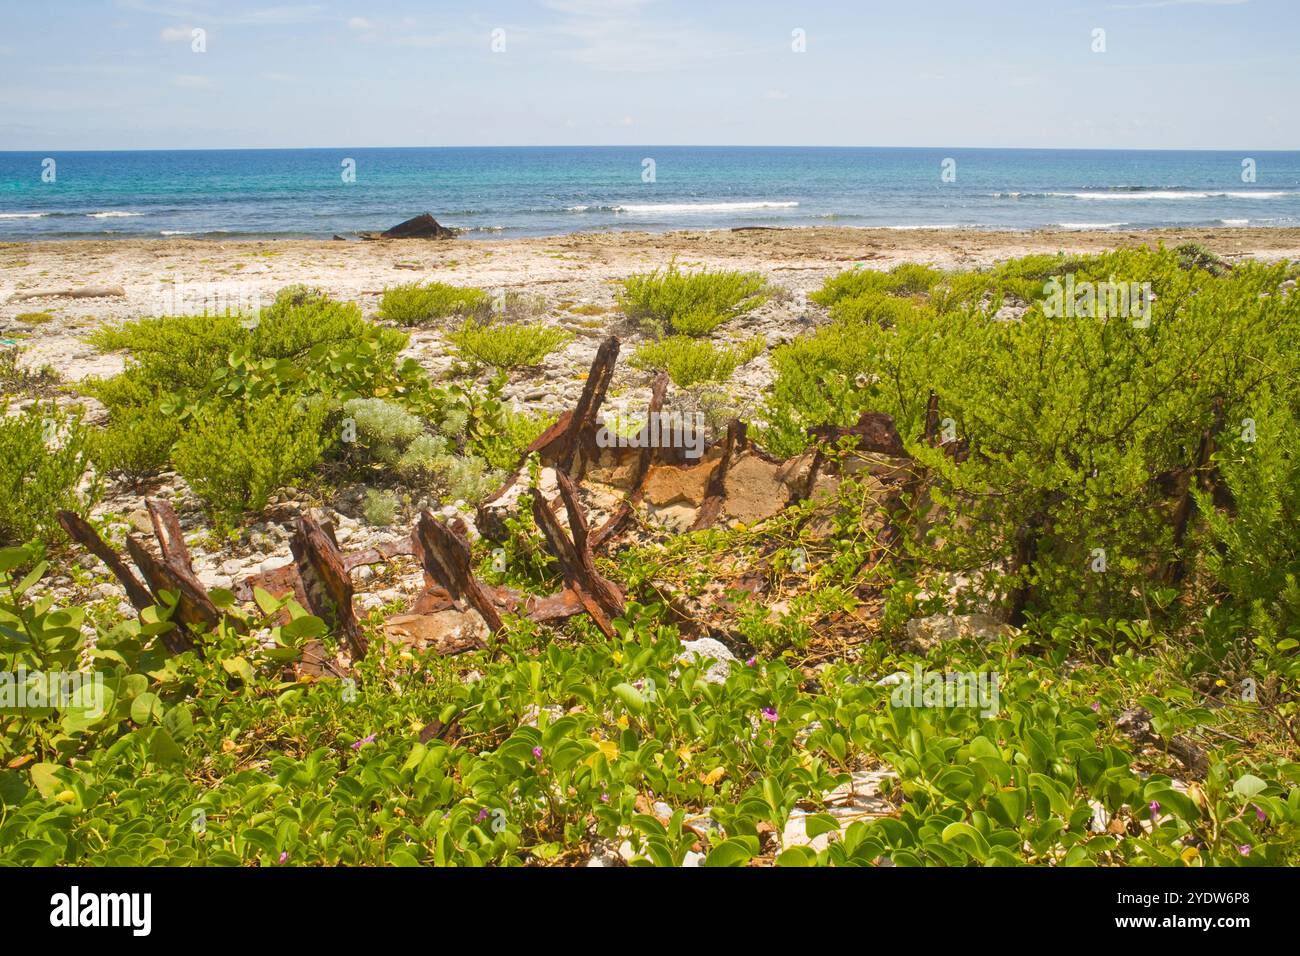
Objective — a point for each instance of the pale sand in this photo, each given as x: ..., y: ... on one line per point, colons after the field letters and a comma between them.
x: 576, y: 274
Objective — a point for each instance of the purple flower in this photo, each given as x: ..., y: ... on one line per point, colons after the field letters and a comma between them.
x: 1244, y: 849
x: 604, y: 798
x: 751, y: 662
x: 1154, y: 807
x: 769, y: 714
x: 1096, y: 706
x: 537, y: 753
x: 482, y: 815
x: 1260, y: 815
x: 284, y: 857
x: 364, y: 740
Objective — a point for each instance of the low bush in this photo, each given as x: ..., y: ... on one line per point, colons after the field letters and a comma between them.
x: 508, y: 345
x: 690, y: 303
x: 235, y: 456
x: 420, y: 303
x: 694, y: 361
x: 43, y: 459
x: 379, y: 508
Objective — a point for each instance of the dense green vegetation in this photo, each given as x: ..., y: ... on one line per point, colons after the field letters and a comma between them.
x: 691, y: 361
x: 422, y: 303
x: 671, y: 301
x: 1129, y: 487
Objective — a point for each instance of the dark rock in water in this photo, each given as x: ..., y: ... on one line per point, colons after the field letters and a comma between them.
x: 338, y: 238
x: 423, y: 226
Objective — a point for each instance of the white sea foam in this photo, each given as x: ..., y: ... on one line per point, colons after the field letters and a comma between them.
x: 1089, y: 225
x: 1166, y: 194
x: 112, y: 214
x: 909, y: 228
x: 670, y: 208
x: 23, y: 215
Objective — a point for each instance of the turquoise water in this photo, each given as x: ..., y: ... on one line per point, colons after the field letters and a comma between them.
x: 549, y: 190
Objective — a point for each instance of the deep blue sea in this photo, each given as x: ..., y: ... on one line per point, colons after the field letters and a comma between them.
x: 528, y: 191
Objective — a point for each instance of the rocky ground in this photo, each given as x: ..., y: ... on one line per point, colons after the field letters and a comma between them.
x: 575, y: 276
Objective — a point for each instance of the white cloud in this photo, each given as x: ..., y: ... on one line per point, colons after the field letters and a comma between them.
x: 359, y: 24
x: 176, y: 34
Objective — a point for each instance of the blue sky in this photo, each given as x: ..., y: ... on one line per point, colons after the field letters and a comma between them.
x: 76, y: 74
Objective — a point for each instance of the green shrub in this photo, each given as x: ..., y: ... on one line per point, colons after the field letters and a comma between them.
x: 235, y: 456
x: 694, y: 303
x: 905, y: 279
x: 43, y: 458
x: 137, y: 441
x: 382, y: 424
x: 179, y: 368
x: 379, y: 508
x: 419, y: 303
x: 874, y: 307
x: 507, y: 345
x: 692, y: 361
x: 1068, y: 419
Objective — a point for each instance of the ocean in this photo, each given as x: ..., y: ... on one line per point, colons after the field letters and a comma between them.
x: 532, y: 191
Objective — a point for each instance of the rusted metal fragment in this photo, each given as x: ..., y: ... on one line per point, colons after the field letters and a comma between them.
x: 80, y: 531
x: 715, y: 492
x: 278, y: 582
x: 316, y: 662
x: 384, y: 551
x: 875, y: 432
x: 644, y: 460
x: 195, y: 611
x: 572, y: 437
x: 553, y: 607
x: 325, y: 581
x: 445, y: 554
x: 167, y: 529
x: 602, y: 599
x: 447, y: 632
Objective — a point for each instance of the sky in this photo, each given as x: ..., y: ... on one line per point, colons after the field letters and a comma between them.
x: 129, y: 74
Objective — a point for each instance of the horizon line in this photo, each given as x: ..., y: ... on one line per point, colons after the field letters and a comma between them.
x: 1060, y: 149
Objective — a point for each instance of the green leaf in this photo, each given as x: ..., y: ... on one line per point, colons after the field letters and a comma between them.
x: 631, y: 697
x: 145, y: 708
x: 820, y: 823
x: 1248, y: 785
x: 968, y: 838
x: 178, y: 722
x: 238, y: 667
x: 734, y: 851
x: 163, y: 748
x: 45, y: 779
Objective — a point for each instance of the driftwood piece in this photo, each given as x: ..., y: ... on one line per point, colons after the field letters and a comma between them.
x: 325, y: 581
x: 82, y: 292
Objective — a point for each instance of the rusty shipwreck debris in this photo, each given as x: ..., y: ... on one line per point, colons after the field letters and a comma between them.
x: 732, y: 481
